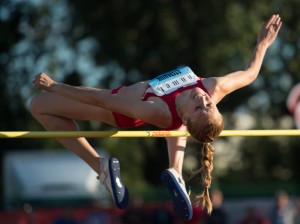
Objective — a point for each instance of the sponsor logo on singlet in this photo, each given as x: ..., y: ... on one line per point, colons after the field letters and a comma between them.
x: 171, y: 81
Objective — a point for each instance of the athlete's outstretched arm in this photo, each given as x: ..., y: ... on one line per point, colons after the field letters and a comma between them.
x: 219, y: 87
x: 176, y: 149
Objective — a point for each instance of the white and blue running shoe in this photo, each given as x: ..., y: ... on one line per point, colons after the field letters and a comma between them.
x: 181, y: 201
x: 111, y: 179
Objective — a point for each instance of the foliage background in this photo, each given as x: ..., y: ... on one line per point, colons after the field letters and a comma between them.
x: 109, y: 43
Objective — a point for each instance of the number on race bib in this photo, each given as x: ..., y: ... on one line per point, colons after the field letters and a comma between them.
x: 173, y: 80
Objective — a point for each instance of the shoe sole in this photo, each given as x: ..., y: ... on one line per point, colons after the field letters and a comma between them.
x: 119, y: 191
x: 181, y: 204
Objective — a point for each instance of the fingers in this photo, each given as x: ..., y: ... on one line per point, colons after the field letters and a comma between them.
x: 278, y: 27
x: 39, y: 80
x: 277, y: 23
x: 271, y: 20
x: 277, y: 20
x: 35, y: 80
x: 274, y: 23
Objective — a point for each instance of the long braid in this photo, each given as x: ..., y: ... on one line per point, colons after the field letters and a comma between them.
x: 207, y: 167
x: 205, y: 134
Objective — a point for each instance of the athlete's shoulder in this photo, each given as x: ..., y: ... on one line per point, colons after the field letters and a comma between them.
x: 209, y: 83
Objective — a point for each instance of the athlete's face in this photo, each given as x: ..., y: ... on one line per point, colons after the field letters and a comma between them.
x: 199, y: 106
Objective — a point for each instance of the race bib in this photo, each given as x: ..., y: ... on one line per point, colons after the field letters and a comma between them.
x: 171, y: 81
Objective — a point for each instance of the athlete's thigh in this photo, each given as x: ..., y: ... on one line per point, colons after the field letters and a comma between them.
x: 53, y: 104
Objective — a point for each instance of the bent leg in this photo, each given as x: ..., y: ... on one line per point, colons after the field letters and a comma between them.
x: 56, y: 113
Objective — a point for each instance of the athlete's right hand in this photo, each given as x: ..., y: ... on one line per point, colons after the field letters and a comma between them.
x: 43, y: 81
x: 269, y: 31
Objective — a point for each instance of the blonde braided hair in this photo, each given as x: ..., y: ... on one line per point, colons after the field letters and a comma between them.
x: 205, y: 134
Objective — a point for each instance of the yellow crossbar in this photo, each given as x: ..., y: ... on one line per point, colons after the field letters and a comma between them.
x: 137, y: 134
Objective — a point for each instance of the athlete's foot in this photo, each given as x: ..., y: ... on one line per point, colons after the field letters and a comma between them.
x: 111, y: 179
x: 181, y: 201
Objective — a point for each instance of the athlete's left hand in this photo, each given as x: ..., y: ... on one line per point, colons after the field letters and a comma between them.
x: 43, y: 81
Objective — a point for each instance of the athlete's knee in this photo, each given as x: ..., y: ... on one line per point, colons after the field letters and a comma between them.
x: 36, y: 105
